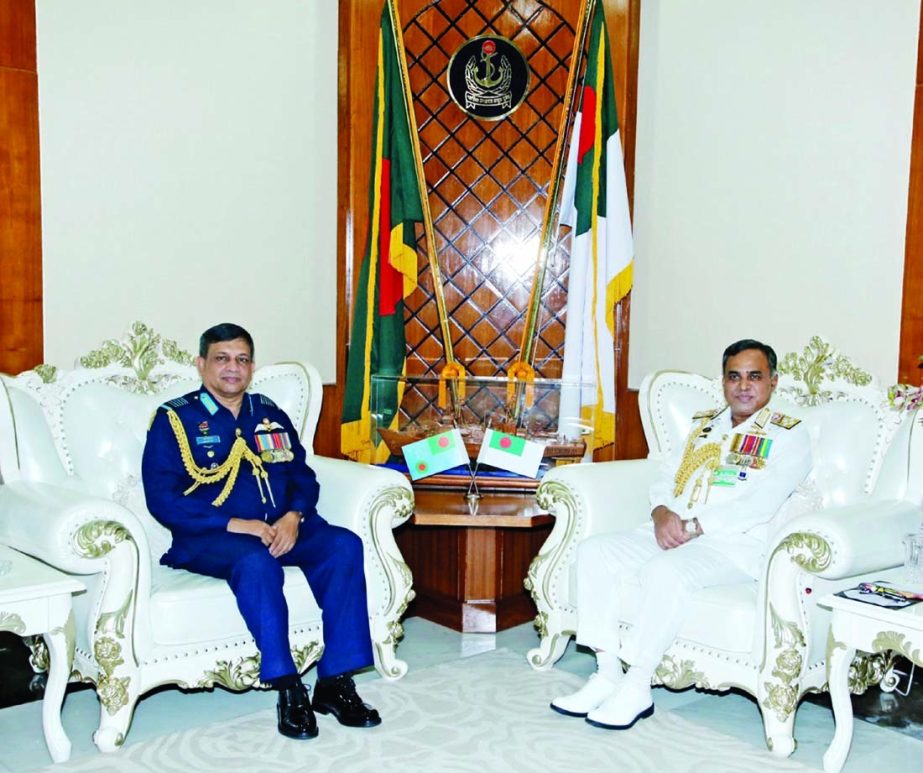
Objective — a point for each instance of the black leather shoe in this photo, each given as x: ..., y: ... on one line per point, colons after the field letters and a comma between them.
x: 296, y: 719
x: 337, y: 695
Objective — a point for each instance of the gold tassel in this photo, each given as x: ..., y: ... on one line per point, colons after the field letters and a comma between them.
x: 708, y: 456
x: 456, y: 372
x: 229, y: 468
x: 521, y: 371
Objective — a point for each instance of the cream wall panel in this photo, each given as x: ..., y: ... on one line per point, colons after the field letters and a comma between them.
x: 189, y: 171
x: 771, y: 178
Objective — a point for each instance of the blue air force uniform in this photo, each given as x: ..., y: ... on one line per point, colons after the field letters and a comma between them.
x: 202, y: 467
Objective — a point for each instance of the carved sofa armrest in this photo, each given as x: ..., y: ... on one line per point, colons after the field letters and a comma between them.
x: 585, y: 499
x: 372, y: 502
x: 846, y: 541
x: 600, y: 497
x: 814, y: 555
x: 67, y: 528
x: 100, y: 540
x: 349, y: 490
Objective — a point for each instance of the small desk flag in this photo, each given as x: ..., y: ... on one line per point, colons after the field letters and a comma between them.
x: 511, y: 452
x: 435, y: 454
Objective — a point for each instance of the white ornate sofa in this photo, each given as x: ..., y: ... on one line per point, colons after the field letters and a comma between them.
x: 70, y: 455
x: 768, y: 638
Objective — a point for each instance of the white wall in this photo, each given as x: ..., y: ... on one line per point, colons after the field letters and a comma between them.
x: 771, y: 184
x: 188, y: 152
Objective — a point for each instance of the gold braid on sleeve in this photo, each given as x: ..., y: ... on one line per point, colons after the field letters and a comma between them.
x: 229, y: 468
x: 708, y: 456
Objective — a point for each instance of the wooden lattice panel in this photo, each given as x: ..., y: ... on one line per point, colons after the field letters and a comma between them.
x: 487, y: 183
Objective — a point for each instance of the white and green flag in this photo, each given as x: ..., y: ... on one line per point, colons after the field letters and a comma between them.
x: 511, y: 452
x: 435, y: 454
x: 595, y: 205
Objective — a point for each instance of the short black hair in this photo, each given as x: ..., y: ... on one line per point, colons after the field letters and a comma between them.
x: 226, y: 331
x: 748, y: 343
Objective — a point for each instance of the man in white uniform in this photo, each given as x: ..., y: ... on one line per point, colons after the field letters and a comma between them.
x: 711, y: 507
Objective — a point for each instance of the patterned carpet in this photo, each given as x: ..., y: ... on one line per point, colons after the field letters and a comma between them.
x: 482, y: 714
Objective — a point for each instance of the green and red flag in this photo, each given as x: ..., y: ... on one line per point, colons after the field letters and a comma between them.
x: 511, y: 452
x: 435, y: 454
x: 388, y: 273
x: 595, y: 205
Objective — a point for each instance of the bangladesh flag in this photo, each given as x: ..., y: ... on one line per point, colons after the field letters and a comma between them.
x: 595, y: 205
x: 511, y: 452
x: 435, y: 454
x: 388, y: 273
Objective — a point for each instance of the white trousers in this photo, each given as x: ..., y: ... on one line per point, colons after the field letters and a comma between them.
x: 667, y: 578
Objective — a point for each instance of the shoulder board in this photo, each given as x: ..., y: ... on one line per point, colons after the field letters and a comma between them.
x: 709, y: 414
x: 266, y: 401
x: 178, y: 402
x: 786, y: 422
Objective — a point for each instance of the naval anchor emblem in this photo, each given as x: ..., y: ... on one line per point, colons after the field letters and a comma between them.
x: 488, y: 77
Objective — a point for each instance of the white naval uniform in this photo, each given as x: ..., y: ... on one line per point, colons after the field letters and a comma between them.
x: 734, y: 519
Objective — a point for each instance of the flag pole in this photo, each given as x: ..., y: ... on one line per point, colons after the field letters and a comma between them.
x: 527, y: 346
x: 453, y: 369
x: 522, y: 369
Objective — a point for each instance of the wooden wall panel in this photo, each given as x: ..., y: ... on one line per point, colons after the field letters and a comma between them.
x: 327, y: 436
x: 17, y: 35
x: 20, y: 201
x: 910, y: 369
x: 359, y: 23
x: 487, y: 183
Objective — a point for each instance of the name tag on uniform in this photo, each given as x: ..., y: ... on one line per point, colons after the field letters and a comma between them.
x: 207, y: 440
x: 723, y: 476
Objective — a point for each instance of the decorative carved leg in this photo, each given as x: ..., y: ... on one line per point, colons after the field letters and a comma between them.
x: 780, y: 733
x: 60, y: 643
x: 549, y: 651
x: 118, y: 681
x: 385, y: 624
x: 384, y: 649
x: 838, y: 678
x: 779, y: 685
x: 113, y: 728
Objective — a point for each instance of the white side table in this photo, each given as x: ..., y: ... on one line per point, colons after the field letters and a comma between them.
x: 857, y: 625
x: 36, y: 600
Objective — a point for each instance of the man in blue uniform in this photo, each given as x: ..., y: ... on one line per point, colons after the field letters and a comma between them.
x: 224, y: 470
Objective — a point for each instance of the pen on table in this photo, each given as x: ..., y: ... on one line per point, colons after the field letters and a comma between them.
x: 881, y: 590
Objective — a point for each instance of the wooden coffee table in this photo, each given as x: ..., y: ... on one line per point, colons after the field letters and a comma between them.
x: 468, y: 569
x: 36, y: 600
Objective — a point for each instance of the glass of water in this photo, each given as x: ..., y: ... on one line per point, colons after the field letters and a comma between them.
x: 913, y: 557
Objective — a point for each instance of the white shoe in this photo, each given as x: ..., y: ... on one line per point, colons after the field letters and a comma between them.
x: 587, y: 698
x: 623, y: 708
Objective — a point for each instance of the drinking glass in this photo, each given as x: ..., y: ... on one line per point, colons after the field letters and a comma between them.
x: 913, y: 557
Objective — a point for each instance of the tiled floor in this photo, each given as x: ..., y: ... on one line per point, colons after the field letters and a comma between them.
x: 891, y: 741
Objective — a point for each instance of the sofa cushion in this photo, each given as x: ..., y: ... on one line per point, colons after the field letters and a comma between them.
x: 847, y: 439
x: 129, y: 492
x: 187, y: 608
x: 105, y: 428
x: 33, y: 450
